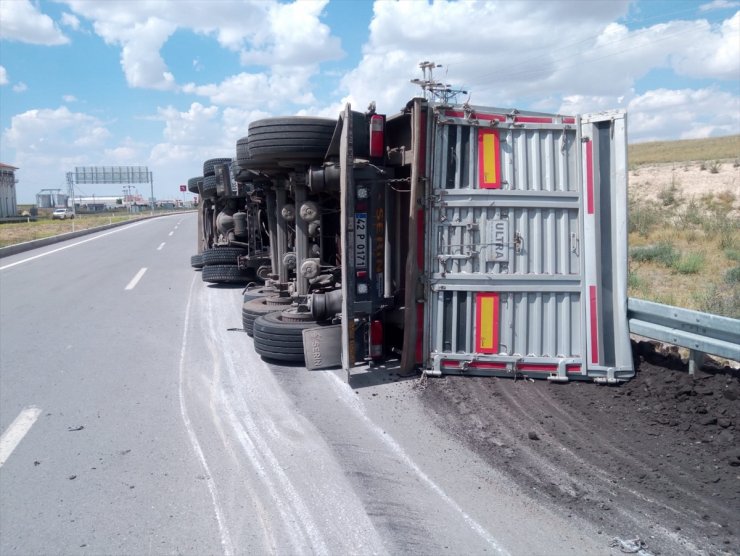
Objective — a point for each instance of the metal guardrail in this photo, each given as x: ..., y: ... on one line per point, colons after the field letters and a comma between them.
x: 701, y: 333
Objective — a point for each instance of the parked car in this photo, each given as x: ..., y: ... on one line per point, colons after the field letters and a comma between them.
x: 62, y: 214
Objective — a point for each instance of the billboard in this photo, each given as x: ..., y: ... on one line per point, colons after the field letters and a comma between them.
x: 111, y: 174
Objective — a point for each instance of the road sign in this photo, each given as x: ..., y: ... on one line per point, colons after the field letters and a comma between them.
x: 183, y: 188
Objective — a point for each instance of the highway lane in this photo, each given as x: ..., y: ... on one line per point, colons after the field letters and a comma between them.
x: 192, y: 444
x: 108, y: 467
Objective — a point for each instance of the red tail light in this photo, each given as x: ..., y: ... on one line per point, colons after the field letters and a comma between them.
x: 376, y: 340
x: 377, y: 140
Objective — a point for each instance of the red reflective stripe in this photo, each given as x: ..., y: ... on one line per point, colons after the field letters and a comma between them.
x: 484, y: 117
x: 489, y: 159
x: 494, y: 365
x: 590, y: 177
x: 569, y: 120
x: 536, y: 367
x: 594, y: 325
x: 532, y: 120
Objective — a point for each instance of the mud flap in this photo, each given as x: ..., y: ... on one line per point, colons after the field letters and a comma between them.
x: 322, y: 347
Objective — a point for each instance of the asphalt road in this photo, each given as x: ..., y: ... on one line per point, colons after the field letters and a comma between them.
x: 137, y: 419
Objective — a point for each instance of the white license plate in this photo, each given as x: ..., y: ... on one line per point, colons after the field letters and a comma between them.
x: 360, y: 240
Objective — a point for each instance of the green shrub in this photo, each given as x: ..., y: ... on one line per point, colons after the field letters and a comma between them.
x: 733, y: 275
x: 715, y: 166
x: 723, y: 301
x: 662, y: 253
x: 733, y: 254
x: 670, y: 196
x: 691, y: 216
x: 644, y: 217
x: 691, y: 263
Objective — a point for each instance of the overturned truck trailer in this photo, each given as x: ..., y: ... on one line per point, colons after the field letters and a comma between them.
x: 469, y: 240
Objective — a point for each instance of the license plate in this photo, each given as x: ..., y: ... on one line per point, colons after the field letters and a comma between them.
x: 361, y: 240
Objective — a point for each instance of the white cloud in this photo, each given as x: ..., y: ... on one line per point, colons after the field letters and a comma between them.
x: 20, y: 87
x: 266, y: 91
x: 295, y: 37
x: 683, y: 114
x: 140, y: 57
x: 23, y: 22
x: 127, y: 153
x: 71, y: 21
x: 264, y: 32
x: 719, y: 5
x: 69, y: 98
x: 3, y: 76
x: 46, y: 143
x: 522, y: 52
x: 716, y: 53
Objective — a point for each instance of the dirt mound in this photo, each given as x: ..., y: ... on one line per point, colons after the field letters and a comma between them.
x: 655, y: 458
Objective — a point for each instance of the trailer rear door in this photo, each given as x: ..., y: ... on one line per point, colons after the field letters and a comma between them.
x: 525, y: 263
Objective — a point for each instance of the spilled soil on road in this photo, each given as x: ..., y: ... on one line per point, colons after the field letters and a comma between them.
x: 656, y: 458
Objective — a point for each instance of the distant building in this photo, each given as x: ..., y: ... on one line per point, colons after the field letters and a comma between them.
x: 8, y: 204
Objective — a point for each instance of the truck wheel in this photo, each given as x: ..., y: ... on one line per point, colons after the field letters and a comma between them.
x: 296, y: 138
x: 242, y: 150
x: 196, y: 261
x: 208, y: 165
x: 209, y: 186
x: 280, y: 339
x: 193, y: 184
x: 257, y: 307
x: 226, y: 274
x: 222, y: 255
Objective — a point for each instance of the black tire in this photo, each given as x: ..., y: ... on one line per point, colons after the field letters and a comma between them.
x: 222, y: 255
x: 275, y: 338
x: 196, y: 261
x: 208, y: 165
x: 242, y: 150
x: 226, y: 274
x: 193, y: 184
x: 295, y: 138
x: 254, y: 308
x: 209, y: 186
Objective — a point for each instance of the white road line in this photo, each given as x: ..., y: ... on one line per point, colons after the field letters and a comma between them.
x: 172, y: 233
x: 160, y: 246
x: 135, y: 280
x: 16, y: 431
x: 72, y: 245
x: 226, y: 543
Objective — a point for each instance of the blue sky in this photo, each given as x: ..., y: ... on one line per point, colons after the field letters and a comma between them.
x: 169, y: 83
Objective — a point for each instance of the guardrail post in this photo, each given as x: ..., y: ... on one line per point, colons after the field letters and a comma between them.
x: 696, y: 360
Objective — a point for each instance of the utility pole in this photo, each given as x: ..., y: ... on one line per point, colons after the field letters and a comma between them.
x: 151, y: 185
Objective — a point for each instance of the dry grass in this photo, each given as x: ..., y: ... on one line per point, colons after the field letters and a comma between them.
x: 10, y: 234
x: 711, y: 149
x: 684, y: 254
x: 685, y: 223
